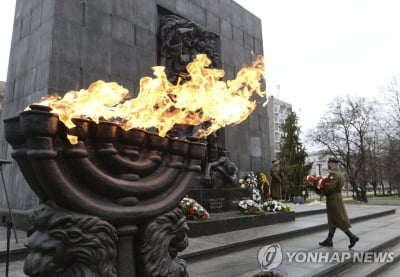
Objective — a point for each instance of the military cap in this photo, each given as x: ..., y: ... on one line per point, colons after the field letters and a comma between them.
x: 333, y: 160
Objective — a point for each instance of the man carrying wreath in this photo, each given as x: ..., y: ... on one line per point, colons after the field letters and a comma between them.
x: 337, y: 215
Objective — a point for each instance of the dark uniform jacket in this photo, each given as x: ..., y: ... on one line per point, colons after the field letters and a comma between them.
x: 276, y: 180
x: 337, y: 215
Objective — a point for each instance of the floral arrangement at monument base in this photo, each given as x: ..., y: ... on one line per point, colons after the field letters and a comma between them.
x: 250, y: 207
x: 275, y: 206
x: 258, y: 184
x: 316, y: 182
x: 193, y: 210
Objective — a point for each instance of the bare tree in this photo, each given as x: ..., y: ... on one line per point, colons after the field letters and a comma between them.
x: 391, y: 112
x: 390, y: 128
x: 345, y: 133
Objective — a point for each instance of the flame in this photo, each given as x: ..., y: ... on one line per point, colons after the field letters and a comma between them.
x: 203, y: 100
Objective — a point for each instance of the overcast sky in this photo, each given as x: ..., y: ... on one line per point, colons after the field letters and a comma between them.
x: 318, y: 49
x: 314, y: 49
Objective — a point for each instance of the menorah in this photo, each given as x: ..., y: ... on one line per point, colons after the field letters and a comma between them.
x: 119, y: 187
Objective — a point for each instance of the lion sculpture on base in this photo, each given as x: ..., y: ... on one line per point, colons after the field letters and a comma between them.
x: 160, y: 242
x: 66, y: 244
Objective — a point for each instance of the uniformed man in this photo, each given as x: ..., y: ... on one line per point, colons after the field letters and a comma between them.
x: 337, y: 215
x: 276, y: 180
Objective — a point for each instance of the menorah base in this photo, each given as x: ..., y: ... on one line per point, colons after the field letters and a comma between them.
x: 65, y: 243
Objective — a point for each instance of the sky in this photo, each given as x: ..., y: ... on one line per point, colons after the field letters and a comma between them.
x: 314, y: 50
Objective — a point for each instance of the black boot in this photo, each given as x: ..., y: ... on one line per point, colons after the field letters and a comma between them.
x: 353, y: 238
x: 328, y: 241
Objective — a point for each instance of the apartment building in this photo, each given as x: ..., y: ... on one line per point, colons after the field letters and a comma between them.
x: 278, y: 111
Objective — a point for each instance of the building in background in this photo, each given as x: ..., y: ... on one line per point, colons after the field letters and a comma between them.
x: 319, y: 160
x: 278, y: 111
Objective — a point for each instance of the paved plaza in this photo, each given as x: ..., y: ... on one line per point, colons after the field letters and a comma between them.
x: 236, y: 253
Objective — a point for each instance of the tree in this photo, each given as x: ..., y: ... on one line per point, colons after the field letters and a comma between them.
x: 346, y: 132
x: 391, y: 102
x: 390, y: 124
x: 293, y: 157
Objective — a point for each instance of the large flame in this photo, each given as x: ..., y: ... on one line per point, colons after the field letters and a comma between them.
x: 205, y: 98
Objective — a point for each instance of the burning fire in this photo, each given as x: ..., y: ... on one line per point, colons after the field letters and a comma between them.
x: 205, y: 98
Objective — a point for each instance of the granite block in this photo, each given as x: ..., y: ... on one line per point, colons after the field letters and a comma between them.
x: 203, y: 3
x: 238, y: 35
x: 67, y: 42
x: 223, y: 9
x: 105, y: 6
x: 258, y: 46
x: 248, y: 41
x: 233, y: 222
x: 226, y: 29
x: 68, y: 77
x: 145, y: 37
x: 19, y: 87
x: 29, y: 81
x: 146, y: 10
x: 249, y: 22
x: 196, y: 13
x: 48, y: 9
x: 36, y: 17
x: 146, y: 58
x: 97, y: 21
x: 182, y: 7
x: 212, y: 23
x: 25, y: 26
x: 98, y: 55
x: 239, y: 223
x: 122, y: 59
x: 42, y: 75
x: 71, y: 11
x: 125, y: 8
x: 26, y: 8
x: 167, y: 4
x: 123, y: 30
x: 237, y: 15
x: 205, y: 228
x: 16, y: 34
x: 285, y: 216
x: 21, y: 58
x: 219, y: 200
x: 264, y: 220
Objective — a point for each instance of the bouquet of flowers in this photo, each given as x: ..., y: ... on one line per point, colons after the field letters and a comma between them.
x: 193, y: 210
x: 275, y: 206
x: 258, y: 184
x: 316, y: 182
x: 250, y: 207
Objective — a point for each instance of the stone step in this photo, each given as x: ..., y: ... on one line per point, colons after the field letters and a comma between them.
x: 224, y: 243
x: 223, y: 222
x: 377, y: 269
x: 233, y: 221
x: 244, y: 263
x: 372, y: 242
x: 391, y: 270
x: 227, y: 221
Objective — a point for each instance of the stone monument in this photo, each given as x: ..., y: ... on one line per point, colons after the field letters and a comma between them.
x: 59, y: 46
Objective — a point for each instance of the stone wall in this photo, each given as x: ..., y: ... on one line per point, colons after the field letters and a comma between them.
x: 2, y: 92
x: 66, y: 45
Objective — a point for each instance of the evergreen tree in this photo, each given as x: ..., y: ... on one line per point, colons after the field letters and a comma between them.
x: 292, y: 158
